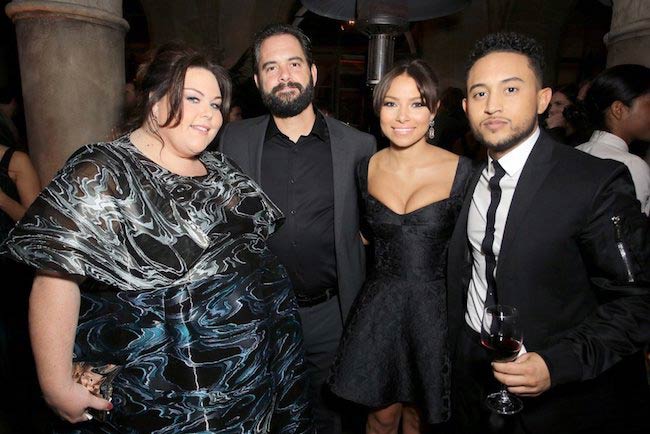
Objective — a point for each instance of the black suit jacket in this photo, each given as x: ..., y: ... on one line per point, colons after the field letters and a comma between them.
x: 560, y: 264
x: 243, y: 141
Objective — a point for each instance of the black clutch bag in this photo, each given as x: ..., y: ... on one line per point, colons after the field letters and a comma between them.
x: 98, y: 379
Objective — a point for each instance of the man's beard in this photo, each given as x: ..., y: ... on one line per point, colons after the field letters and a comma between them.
x: 518, y: 136
x: 287, y: 107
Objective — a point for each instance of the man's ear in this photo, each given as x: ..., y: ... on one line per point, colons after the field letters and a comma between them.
x: 465, y: 105
x: 543, y: 99
x: 314, y: 73
x: 256, y: 82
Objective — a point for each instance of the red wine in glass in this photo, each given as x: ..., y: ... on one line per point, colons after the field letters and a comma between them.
x: 502, y: 349
x: 501, y: 334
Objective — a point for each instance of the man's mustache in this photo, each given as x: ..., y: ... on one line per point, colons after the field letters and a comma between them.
x: 288, y: 84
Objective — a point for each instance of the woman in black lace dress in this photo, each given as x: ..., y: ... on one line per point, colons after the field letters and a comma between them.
x: 393, y: 357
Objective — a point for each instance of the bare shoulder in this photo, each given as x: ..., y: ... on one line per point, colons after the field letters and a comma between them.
x: 22, y: 171
x: 442, y: 160
x: 444, y: 156
x: 20, y: 161
x: 378, y: 158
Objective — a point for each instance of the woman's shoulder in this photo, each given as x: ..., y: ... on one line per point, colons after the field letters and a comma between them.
x: 375, y: 158
x: 111, y: 156
x: 443, y: 156
x: 104, y: 150
x: 20, y: 162
x: 364, y: 163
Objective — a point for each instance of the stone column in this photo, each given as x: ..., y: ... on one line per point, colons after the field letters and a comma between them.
x: 629, y: 35
x: 72, y: 70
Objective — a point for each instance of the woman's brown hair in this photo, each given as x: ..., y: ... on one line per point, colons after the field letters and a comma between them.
x: 164, y: 74
x: 423, y: 75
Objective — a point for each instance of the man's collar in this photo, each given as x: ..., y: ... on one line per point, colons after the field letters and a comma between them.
x: 319, y: 129
x: 514, y: 160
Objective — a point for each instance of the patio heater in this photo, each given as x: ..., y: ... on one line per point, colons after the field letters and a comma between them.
x: 382, y: 21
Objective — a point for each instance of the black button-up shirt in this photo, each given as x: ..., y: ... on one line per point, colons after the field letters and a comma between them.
x: 298, y: 178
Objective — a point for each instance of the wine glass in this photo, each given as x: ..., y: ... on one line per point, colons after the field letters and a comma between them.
x: 501, y: 334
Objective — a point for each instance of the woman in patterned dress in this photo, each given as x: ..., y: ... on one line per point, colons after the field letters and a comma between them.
x: 153, y: 266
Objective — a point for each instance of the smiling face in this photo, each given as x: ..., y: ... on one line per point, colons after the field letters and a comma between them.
x: 285, y: 79
x: 503, y: 101
x: 404, y: 117
x: 202, y: 116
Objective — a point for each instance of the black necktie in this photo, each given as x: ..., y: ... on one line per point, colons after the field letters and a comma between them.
x: 488, y: 240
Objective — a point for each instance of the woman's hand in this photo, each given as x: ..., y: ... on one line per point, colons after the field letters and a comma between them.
x: 72, y: 401
x: 53, y: 313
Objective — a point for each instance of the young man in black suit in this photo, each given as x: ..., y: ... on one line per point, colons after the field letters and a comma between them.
x: 306, y: 163
x: 559, y: 236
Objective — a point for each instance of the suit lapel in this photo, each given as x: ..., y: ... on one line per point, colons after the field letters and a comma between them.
x: 533, y: 175
x: 460, y: 261
x: 464, y: 211
x: 256, y: 145
x: 459, y: 237
x: 459, y: 264
x: 340, y: 162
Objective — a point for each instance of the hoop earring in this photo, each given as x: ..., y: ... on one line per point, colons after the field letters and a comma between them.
x: 432, y: 131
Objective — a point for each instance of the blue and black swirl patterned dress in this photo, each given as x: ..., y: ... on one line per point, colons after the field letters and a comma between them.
x: 180, y: 290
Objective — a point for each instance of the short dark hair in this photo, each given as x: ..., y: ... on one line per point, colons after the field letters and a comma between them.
x: 423, y: 75
x: 622, y: 83
x: 510, y: 42
x: 281, y: 29
x: 164, y: 74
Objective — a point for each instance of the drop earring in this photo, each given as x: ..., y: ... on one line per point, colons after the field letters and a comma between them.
x: 432, y: 131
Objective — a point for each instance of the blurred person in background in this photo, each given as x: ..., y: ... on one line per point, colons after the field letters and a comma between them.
x: 19, y: 187
x: 565, y: 120
x: 618, y: 104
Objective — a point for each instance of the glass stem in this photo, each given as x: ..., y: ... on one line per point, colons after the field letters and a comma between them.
x: 505, y: 396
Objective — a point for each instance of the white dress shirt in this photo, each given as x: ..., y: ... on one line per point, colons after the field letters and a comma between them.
x: 512, y: 162
x: 606, y: 145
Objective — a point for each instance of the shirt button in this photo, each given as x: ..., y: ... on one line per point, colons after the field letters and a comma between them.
x: 293, y: 212
x: 294, y: 244
x: 294, y: 149
x: 292, y: 181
